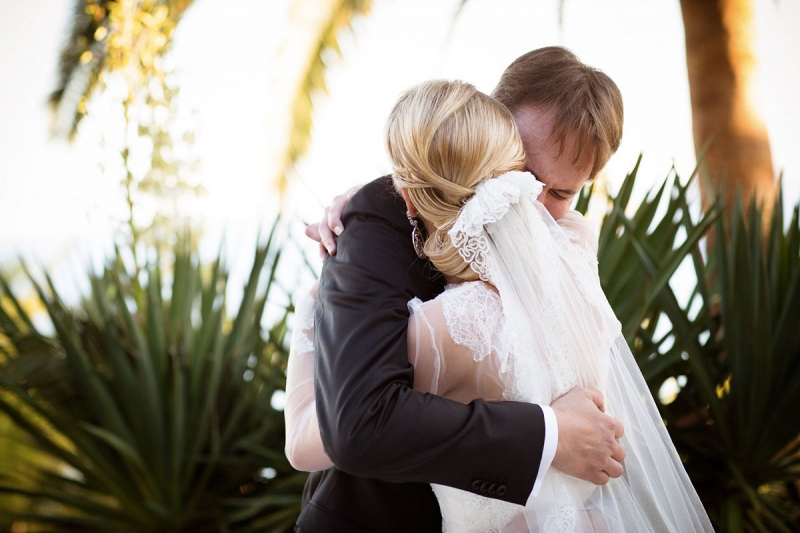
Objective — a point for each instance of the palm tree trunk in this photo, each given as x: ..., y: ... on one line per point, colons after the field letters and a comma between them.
x: 721, y: 64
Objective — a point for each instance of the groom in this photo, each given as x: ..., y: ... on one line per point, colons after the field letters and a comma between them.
x: 389, y: 442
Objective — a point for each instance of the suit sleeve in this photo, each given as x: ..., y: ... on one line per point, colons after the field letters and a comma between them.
x: 372, y: 423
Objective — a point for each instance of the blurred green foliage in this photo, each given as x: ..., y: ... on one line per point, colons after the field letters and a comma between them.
x: 155, y: 407
x: 732, y: 349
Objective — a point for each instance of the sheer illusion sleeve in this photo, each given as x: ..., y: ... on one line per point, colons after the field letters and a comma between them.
x: 303, y: 443
x: 452, y: 344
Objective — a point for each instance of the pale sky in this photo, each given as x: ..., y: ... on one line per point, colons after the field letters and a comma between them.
x: 234, y: 58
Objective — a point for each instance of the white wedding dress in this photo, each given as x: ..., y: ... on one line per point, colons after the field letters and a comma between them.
x: 540, y: 328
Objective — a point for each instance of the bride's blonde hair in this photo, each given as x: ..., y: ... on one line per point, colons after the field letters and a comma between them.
x: 444, y: 138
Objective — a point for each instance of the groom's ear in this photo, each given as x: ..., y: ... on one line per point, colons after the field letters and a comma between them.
x: 409, y: 205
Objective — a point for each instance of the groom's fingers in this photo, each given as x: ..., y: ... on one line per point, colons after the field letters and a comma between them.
x: 597, y: 397
x: 599, y: 478
x: 613, y: 468
x: 588, y: 446
x: 611, y: 465
x: 618, y: 453
x: 619, y: 430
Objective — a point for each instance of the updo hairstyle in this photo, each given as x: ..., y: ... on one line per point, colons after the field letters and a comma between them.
x: 443, y: 139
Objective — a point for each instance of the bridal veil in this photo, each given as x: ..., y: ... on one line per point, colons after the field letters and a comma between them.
x: 562, y: 333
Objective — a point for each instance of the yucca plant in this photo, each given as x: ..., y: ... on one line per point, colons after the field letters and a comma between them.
x: 155, y: 406
x: 641, y: 294
x: 740, y: 409
x: 733, y: 348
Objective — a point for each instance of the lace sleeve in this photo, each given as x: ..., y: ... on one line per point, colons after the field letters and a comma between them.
x: 452, y: 344
x: 303, y: 443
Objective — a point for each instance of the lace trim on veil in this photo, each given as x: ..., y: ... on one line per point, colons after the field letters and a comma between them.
x: 492, y: 200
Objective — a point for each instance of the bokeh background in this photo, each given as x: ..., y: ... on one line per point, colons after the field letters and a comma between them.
x: 239, y: 64
x: 147, y: 148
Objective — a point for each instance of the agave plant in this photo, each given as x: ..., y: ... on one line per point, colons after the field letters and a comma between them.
x: 733, y: 349
x: 154, y: 407
x: 741, y: 408
x: 641, y: 294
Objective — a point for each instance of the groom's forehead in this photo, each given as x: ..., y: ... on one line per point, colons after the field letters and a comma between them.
x: 554, y: 153
x: 544, y: 137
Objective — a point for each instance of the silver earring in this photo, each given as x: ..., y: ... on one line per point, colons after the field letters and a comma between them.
x: 416, y: 236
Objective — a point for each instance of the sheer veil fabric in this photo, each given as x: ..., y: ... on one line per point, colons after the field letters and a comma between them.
x: 556, y: 331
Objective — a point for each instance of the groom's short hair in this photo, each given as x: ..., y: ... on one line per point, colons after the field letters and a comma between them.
x: 585, y: 102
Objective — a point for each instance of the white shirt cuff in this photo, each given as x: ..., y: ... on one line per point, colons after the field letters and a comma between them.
x: 550, y: 446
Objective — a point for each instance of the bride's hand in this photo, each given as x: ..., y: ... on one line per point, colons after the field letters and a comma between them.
x: 331, y: 223
x: 587, y: 437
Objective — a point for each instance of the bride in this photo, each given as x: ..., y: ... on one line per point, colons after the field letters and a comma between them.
x: 523, y: 318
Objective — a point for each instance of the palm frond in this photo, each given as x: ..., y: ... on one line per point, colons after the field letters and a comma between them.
x: 86, y: 54
x: 313, y: 79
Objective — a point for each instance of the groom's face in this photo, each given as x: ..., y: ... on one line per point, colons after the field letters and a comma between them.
x: 562, y: 181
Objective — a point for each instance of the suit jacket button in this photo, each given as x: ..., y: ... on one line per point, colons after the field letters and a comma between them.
x: 485, y: 487
x: 493, y: 488
x: 501, y: 490
x: 476, y: 485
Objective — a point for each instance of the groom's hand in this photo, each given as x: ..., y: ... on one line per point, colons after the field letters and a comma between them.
x: 587, y: 445
x: 331, y: 223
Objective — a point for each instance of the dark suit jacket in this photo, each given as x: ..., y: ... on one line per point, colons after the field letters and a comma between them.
x: 387, y: 441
